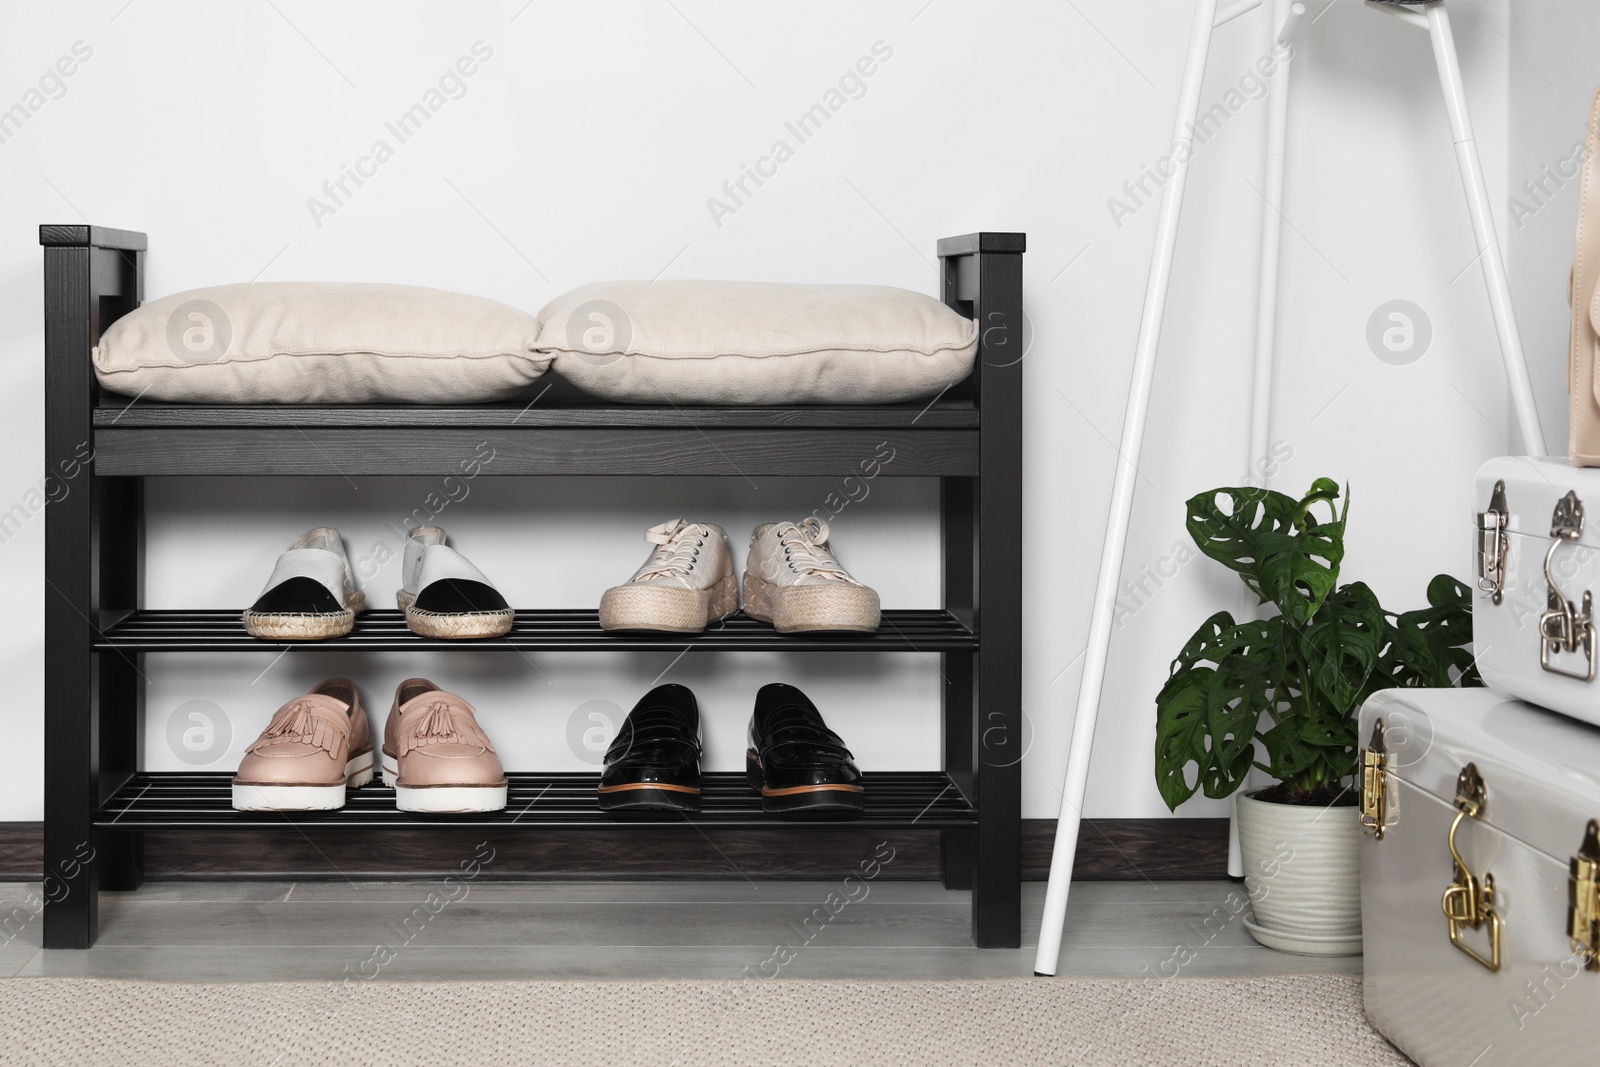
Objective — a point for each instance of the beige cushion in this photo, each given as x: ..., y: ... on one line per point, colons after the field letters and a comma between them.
x: 697, y: 342
x: 320, y: 343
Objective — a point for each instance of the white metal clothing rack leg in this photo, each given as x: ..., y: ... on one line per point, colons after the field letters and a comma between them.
x: 1286, y: 15
x: 1435, y: 19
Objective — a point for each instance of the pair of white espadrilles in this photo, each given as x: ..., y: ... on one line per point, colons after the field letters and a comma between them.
x: 312, y: 594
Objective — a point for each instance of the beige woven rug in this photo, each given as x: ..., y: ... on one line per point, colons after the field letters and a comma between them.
x: 1232, y: 1022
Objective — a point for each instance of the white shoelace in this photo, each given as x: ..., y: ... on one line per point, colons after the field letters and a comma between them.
x: 802, y: 545
x: 680, y: 548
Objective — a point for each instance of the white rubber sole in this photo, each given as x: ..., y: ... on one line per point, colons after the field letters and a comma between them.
x: 442, y: 799
x: 251, y: 796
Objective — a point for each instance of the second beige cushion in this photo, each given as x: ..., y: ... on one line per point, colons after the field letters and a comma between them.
x: 746, y: 343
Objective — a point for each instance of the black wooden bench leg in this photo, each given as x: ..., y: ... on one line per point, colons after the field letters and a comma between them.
x: 997, y: 880
x: 90, y: 710
x: 985, y: 743
x: 70, y: 911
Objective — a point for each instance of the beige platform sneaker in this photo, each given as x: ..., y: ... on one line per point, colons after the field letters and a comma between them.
x: 792, y: 580
x: 686, y: 584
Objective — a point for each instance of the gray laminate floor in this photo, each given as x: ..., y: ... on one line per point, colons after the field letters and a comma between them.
x: 232, y: 931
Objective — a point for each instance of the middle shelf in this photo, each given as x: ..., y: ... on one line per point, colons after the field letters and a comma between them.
x: 545, y: 630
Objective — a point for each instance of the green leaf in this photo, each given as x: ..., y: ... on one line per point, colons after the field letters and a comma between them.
x: 1209, y: 708
x: 1342, y: 643
x: 1431, y: 647
x: 1276, y: 544
x: 1326, y: 727
x: 1320, y: 742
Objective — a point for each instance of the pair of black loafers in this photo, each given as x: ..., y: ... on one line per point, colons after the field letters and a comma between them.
x: 793, y: 760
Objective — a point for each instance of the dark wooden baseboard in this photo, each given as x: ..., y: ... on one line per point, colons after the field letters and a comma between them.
x: 1132, y: 850
x: 22, y: 850
x: 1108, y: 850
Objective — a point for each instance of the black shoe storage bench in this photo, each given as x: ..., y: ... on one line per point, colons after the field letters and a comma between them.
x: 97, y: 635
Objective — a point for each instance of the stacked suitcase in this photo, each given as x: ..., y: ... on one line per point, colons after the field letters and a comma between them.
x: 1481, y: 860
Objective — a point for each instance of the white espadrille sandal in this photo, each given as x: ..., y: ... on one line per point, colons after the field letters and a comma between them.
x: 311, y: 594
x: 446, y: 596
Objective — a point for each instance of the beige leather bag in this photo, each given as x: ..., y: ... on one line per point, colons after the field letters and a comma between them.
x: 1583, y: 366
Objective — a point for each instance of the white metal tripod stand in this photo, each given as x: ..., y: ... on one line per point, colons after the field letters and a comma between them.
x: 1431, y: 16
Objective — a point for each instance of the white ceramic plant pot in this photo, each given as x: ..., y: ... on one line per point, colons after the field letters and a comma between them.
x: 1303, y: 874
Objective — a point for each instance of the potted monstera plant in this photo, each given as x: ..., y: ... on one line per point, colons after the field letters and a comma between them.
x: 1281, y: 693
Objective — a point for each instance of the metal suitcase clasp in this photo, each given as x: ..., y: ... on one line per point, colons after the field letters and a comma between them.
x: 1564, y: 627
x: 1375, y: 783
x: 1583, y: 899
x: 1469, y: 902
x: 1494, y: 544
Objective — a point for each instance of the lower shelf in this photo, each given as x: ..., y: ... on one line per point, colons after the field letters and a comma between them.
x: 186, y: 800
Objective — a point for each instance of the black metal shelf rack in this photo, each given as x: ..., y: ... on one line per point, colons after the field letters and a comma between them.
x: 532, y: 631
x: 931, y: 799
x: 97, y: 634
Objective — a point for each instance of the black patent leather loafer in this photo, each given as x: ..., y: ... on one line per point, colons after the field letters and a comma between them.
x: 654, y: 762
x: 794, y: 760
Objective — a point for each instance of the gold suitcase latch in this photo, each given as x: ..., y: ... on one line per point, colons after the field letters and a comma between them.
x: 1469, y: 902
x: 1564, y: 627
x: 1375, y: 783
x: 1583, y: 913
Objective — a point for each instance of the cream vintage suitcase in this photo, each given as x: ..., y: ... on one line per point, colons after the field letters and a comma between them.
x: 1478, y: 866
x: 1537, y: 556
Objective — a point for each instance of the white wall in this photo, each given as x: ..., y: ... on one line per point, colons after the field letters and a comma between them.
x: 1554, y: 72
x: 587, y: 146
